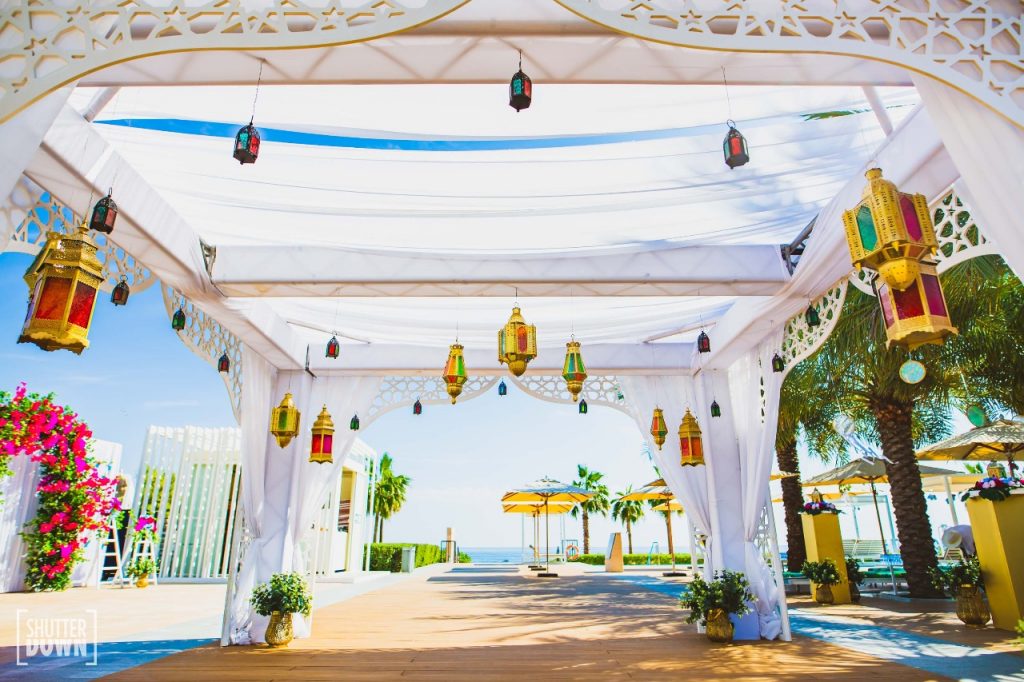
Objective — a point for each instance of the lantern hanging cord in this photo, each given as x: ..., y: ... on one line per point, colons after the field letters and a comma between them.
x: 520, y: 60
x: 259, y: 79
x: 728, y: 102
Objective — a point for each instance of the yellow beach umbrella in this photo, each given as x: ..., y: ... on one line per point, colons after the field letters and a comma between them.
x: 669, y: 506
x: 999, y: 439
x: 655, y: 490
x: 782, y: 474
x: 547, y: 491
x: 534, y: 510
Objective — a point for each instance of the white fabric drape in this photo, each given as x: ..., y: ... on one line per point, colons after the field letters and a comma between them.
x: 19, y: 505
x: 756, y: 438
x: 21, y: 135
x: 988, y: 150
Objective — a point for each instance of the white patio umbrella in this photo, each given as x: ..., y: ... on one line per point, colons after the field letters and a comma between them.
x: 547, y: 491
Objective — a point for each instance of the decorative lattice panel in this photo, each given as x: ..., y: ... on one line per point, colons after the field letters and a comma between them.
x: 801, y: 339
x: 403, y: 391
x: 597, y: 390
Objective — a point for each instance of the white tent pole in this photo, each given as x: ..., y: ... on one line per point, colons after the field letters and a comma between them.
x: 780, y: 580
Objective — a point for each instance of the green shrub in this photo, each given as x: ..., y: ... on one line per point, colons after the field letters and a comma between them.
x: 853, y: 572
x: 730, y: 590
x: 465, y: 558
x: 822, y: 572
x: 286, y: 592
x: 388, y: 556
x: 636, y: 559
x: 949, y: 579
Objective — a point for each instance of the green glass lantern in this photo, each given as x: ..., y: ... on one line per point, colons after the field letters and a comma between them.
x: 178, y: 320
x: 354, y: 423
x: 583, y: 406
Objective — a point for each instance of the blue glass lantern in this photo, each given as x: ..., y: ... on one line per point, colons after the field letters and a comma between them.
x: 502, y: 388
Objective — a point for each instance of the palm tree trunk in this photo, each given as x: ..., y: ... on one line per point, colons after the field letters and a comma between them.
x: 671, y: 545
x: 586, y: 531
x: 629, y: 534
x: 915, y: 531
x: 792, y: 502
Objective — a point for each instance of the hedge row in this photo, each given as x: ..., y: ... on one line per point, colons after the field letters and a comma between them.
x: 636, y: 559
x: 388, y: 556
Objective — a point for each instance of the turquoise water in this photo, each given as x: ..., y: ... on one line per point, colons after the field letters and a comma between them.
x: 495, y: 555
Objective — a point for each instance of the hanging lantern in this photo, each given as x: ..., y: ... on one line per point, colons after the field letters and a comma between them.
x: 778, y: 364
x: 353, y: 423
x: 812, y: 316
x: 573, y: 370
x: 691, y: 451
x: 63, y: 281
x: 454, y: 371
x: 119, y: 296
x: 703, y: 342
x: 520, y: 90
x: 735, y: 147
x: 333, y: 348
x: 223, y: 364
x: 247, y: 144
x: 178, y: 320
x: 658, y: 427
x: 417, y: 407
x: 502, y: 388
x: 322, y: 445
x: 284, y: 421
x: 916, y: 315
x: 716, y: 411
x: 583, y: 406
x: 517, y: 343
x: 104, y: 213
x: 889, y: 231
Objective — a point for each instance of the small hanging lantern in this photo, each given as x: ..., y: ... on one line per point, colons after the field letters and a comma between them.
x: 178, y: 320
x: 778, y: 364
x: 63, y: 281
x: 573, y: 370
x: 119, y: 296
x: 247, y: 144
x: 333, y: 348
x: 583, y: 406
x: 916, y: 315
x: 454, y: 371
x: 703, y: 342
x: 812, y: 316
x: 520, y: 90
x: 735, y: 147
x: 889, y: 231
x: 223, y: 364
x: 104, y: 213
x: 321, y: 447
x: 691, y: 451
x: 658, y: 427
x: 517, y: 343
x: 502, y: 388
x: 716, y: 411
x: 417, y: 407
x: 284, y: 421
x: 817, y: 497
x: 353, y: 423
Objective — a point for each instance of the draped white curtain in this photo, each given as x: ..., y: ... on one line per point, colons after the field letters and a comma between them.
x: 988, y: 150
x: 755, y: 433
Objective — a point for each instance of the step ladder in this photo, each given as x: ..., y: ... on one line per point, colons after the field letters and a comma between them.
x: 111, y: 549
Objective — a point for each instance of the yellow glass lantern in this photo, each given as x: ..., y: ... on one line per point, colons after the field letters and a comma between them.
x: 517, y: 343
x: 322, y: 446
x: 816, y: 496
x: 889, y: 231
x: 573, y: 371
x: 454, y: 371
x: 691, y: 450
x: 63, y: 281
x: 659, y: 429
x: 284, y: 421
x: 916, y: 315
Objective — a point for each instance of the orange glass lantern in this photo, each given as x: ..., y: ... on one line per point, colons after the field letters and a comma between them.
x: 517, y: 343
x: 454, y: 371
x: 573, y: 370
x: 63, y: 281
x: 916, y: 315
x: 321, y: 448
x: 658, y: 427
x: 691, y: 451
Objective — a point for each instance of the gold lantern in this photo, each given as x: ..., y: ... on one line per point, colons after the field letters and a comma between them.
x: 322, y: 445
x: 916, y: 315
x: 63, y: 281
x: 889, y: 231
x: 284, y: 421
x: 658, y: 427
x: 816, y: 496
x: 454, y: 371
x: 691, y: 451
x: 573, y: 370
x: 517, y: 343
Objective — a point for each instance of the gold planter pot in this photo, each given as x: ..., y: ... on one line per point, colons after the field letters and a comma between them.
x: 719, y: 627
x: 142, y: 580
x: 823, y: 594
x: 971, y: 607
x: 279, y: 629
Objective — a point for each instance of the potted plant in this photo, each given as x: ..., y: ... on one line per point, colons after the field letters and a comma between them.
x: 712, y: 602
x: 855, y: 576
x: 824, y: 575
x: 963, y: 582
x: 140, y: 569
x: 285, y: 594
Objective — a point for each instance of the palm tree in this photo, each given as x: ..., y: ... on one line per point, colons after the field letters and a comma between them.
x: 389, y: 495
x: 668, y: 525
x: 597, y: 504
x: 628, y: 512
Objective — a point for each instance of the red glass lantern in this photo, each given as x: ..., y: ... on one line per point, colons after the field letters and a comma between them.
x: 703, y: 343
x: 454, y: 372
x: 247, y: 144
x: 916, y: 315
x: 735, y: 147
x: 417, y: 407
x: 321, y: 447
x: 520, y: 89
x: 104, y: 213
x: 691, y: 450
x: 119, y: 296
x: 223, y: 364
x: 333, y: 348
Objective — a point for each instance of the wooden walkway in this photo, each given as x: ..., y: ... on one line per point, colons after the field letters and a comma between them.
x: 495, y: 623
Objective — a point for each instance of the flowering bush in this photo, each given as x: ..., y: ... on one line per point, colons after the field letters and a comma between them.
x: 815, y: 508
x: 74, y: 500
x: 993, y: 488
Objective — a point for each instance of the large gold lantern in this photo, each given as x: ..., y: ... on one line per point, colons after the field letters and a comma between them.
x: 691, y: 450
x: 284, y: 421
x: 916, y: 315
x: 517, y: 343
x: 658, y: 427
x: 454, y: 371
x: 889, y: 231
x: 322, y: 445
x: 573, y: 370
x: 62, y: 281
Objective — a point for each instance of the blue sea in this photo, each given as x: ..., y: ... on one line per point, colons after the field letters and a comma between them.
x: 496, y: 555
